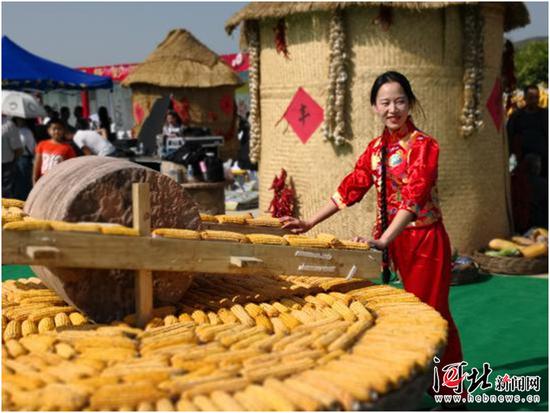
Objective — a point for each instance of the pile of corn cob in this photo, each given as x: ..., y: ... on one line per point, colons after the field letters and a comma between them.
x: 25, y: 223
x: 233, y: 343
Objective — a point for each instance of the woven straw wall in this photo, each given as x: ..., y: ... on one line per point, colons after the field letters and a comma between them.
x: 427, y: 47
x: 204, y: 110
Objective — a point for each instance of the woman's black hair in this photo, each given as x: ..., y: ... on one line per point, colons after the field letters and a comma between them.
x: 175, y: 115
x: 392, y: 76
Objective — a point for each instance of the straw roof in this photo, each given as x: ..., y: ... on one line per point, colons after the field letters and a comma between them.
x: 516, y: 14
x: 181, y: 60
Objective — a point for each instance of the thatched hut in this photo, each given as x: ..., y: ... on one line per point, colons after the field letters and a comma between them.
x: 451, y: 52
x: 202, y: 85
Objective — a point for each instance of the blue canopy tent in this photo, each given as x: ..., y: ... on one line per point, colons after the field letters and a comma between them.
x: 24, y: 70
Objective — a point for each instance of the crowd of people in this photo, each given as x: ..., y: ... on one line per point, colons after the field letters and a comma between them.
x: 31, y: 147
x: 528, y: 145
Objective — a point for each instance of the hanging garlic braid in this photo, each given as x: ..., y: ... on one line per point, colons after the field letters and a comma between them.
x: 334, y: 125
x: 471, y: 118
x: 253, y: 39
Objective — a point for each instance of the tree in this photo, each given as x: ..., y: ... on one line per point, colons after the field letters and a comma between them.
x: 531, y: 63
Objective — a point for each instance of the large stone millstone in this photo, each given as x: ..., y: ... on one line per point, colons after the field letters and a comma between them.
x: 99, y: 189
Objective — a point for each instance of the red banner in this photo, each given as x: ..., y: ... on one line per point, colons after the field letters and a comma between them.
x: 237, y: 61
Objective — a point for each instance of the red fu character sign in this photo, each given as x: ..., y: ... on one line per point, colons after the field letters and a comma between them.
x: 304, y: 115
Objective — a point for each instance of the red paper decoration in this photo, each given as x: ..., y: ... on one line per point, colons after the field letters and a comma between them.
x: 138, y: 113
x: 304, y: 115
x: 182, y: 109
x: 494, y: 104
x: 226, y: 104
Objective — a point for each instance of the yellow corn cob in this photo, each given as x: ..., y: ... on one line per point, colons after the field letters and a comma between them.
x: 119, y: 230
x: 204, y: 403
x: 65, y: 350
x: 213, y: 318
x: 153, y: 323
x: 41, y: 299
x: 264, y: 221
x: 264, y: 321
x: 359, y: 310
x: 208, y: 218
x: 176, y: 233
x: 77, y: 319
x: 14, y: 348
x: 74, y: 227
x: 253, y: 309
x: 278, y: 326
x: 278, y: 371
x: 280, y: 307
x: 266, y: 239
x: 15, y: 211
x: 300, y: 400
x: 242, y: 315
x: 213, y: 235
x: 111, y: 396
x: 249, y: 402
x: 28, y: 327
x: 224, y: 402
x: 12, y: 202
x: 184, y: 405
x: 227, y: 338
x: 8, y: 218
x: 336, y: 388
x: 29, y: 218
x: 199, y: 317
x: 27, y: 226
x: 62, y: 320
x: 46, y: 324
x: 184, y: 318
x: 346, y: 339
x: 269, y: 309
x: 228, y: 385
x: 352, y: 245
x: 170, y: 320
x: 331, y: 239
x: 303, y: 241
x: 164, y: 405
x: 12, y: 331
x: 145, y: 407
x: 343, y: 310
x: 49, y: 312
x: 275, y: 400
x: 289, y: 320
x: 233, y: 219
x: 37, y: 343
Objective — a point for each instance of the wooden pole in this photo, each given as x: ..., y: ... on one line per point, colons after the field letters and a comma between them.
x: 143, y: 282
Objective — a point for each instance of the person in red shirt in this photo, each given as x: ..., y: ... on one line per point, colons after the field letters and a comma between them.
x: 402, y: 164
x: 52, y: 151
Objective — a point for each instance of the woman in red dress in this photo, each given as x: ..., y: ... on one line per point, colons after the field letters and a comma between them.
x: 409, y: 225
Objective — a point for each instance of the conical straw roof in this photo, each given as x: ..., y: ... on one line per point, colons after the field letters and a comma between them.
x: 516, y: 14
x: 180, y: 61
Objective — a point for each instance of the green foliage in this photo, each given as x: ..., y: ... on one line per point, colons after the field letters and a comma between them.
x: 531, y: 63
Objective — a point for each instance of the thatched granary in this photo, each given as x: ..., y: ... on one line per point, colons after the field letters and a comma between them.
x: 202, y: 85
x: 451, y: 52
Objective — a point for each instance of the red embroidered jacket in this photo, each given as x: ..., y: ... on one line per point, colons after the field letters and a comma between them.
x: 411, y: 174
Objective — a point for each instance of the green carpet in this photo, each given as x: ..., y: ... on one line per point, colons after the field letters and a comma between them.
x: 502, y: 320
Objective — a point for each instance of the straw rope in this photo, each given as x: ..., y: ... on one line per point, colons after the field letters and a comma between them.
x: 471, y: 119
x: 253, y: 35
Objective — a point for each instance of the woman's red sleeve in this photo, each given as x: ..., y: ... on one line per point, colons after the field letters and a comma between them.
x: 356, y: 184
x: 421, y: 174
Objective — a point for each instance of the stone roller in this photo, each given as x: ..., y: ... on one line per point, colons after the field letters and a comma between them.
x: 99, y: 189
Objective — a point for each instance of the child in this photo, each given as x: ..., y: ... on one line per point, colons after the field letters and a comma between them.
x: 52, y: 151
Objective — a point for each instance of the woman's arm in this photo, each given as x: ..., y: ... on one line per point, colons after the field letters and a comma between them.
x: 298, y: 226
x: 36, y: 168
x: 401, y: 220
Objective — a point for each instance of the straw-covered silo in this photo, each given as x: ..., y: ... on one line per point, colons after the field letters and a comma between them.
x: 451, y: 53
x: 202, y: 85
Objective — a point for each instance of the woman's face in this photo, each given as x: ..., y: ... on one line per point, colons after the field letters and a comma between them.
x: 392, y: 105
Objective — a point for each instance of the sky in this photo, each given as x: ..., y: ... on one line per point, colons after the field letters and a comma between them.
x: 103, y: 33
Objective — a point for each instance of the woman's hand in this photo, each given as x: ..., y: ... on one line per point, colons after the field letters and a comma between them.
x: 295, y: 225
x: 379, y: 244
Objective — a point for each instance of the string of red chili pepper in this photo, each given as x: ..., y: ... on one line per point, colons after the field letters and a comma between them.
x: 280, y: 38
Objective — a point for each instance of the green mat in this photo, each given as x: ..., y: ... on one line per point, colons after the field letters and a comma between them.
x: 502, y: 321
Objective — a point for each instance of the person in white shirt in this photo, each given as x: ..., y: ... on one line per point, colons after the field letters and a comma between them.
x: 23, y: 181
x: 11, y: 150
x: 92, y: 143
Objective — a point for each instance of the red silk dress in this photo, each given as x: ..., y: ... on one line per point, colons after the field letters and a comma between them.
x: 422, y: 252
